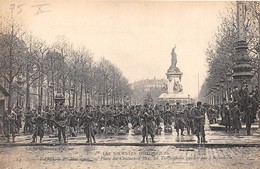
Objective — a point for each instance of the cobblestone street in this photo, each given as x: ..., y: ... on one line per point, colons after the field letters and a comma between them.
x: 212, y: 137
x: 124, y: 156
x: 180, y: 153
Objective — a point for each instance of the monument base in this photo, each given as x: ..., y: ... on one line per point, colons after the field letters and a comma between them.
x: 173, y: 98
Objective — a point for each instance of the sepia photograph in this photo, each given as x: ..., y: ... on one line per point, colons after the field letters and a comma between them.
x: 112, y: 84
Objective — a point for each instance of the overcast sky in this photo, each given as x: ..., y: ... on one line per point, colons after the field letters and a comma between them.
x: 136, y: 36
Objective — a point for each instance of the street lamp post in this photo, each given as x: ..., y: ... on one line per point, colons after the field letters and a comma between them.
x: 242, y: 68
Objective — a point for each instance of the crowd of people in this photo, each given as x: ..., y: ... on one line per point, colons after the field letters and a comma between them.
x: 62, y: 121
x: 108, y: 119
x: 243, y: 107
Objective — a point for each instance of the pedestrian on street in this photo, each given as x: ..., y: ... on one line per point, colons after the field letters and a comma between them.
x: 235, y: 117
x: 248, y: 118
x: 227, y: 118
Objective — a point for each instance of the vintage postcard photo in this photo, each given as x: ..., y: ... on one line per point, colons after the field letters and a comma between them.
x: 129, y: 84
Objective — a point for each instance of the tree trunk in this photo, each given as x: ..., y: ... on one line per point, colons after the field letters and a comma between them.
x: 27, y: 93
x: 86, y: 97
x: 27, y: 87
x: 80, y: 95
x: 10, y: 98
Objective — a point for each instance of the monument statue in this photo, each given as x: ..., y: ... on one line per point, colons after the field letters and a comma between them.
x: 177, y: 87
x: 174, y: 59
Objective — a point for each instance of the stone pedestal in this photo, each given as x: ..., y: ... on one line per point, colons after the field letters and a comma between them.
x: 174, y: 81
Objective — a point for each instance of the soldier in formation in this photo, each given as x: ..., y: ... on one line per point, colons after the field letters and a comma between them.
x: 9, y: 124
x: 61, y: 119
x: 88, y: 124
x: 179, y: 119
x: 148, y: 121
x: 198, y: 114
x: 144, y: 119
x: 38, y: 122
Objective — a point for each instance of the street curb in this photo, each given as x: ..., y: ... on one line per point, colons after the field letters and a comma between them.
x: 6, y: 145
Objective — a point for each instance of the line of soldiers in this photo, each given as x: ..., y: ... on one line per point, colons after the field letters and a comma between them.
x: 109, y: 119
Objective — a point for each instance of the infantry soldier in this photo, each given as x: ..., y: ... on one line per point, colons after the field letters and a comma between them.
x: 100, y: 118
x: 9, y: 118
x: 61, y: 120
x: 88, y: 124
x: 28, y: 121
x: 38, y: 128
x: 109, y: 117
x: 167, y: 116
x: 135, y: 120
x: 188, y: 119
x: 179, y: 119
x: 121, y: 118
x: 73, y: 122
x: 50, y: 118
x: 148, y: 127
x: 19, y: 119
x: 199, y: 122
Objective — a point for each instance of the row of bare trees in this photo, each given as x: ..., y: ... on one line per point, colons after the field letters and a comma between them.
x: 221, y: 53
x: 33, y: 72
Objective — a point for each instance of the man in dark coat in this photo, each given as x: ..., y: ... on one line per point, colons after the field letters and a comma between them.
x: 38, y: 128
x: 179, y: 119
x: 50, y: 118
x: 73, y: 122
x: 28, y: 126
x: 198, y: 114
x: 61, y: 120
x: 244, y: 98
x: 19, y: 119
x: 9, y: 119
x: 88, y: 124
x: 235, y: 94
x: 253, y: 101
x: 235, y: 118
x: 148, y: 122
x: 248, y: 118
x: 226, y: 117
x: 188, y: 119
